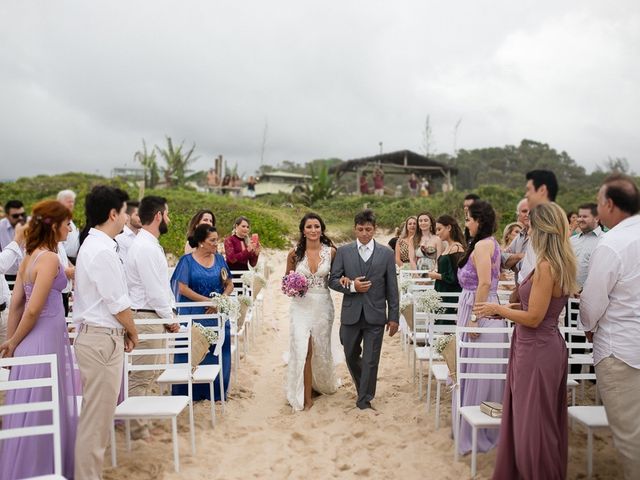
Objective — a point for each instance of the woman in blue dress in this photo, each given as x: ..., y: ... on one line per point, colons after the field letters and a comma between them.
x: 196, y: 277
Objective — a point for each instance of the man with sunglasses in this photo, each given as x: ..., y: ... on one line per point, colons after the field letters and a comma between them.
x: 15, y: 214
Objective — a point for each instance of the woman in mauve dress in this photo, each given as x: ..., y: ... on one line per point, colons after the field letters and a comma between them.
x: 534, y: 433
x: 37, y: 326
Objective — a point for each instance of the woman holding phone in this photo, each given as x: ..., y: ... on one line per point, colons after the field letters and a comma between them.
x: 241, y: 249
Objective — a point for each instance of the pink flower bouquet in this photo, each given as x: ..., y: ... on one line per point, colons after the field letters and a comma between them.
x: 294, y: 284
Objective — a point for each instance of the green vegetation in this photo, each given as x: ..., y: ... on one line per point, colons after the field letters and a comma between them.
x: 499, y: 172
x: 275, y: 217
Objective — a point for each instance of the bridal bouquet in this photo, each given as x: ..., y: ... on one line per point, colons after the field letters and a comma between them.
x: 294, y: 284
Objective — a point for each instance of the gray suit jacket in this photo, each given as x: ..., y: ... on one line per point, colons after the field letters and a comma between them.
x: 381, y: 302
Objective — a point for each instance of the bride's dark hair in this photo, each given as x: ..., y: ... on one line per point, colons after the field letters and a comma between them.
x: 301, y: 248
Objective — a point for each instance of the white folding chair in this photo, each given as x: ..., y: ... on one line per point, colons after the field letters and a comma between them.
x: 157, y: 407
x: 202, y: 374
x: 440, y: 324
x: 417, y: 336
x: 592, y: 417
x: 471, y: 413
x: 53, y: 405
x: 235, y: 351
x: 584, y: 358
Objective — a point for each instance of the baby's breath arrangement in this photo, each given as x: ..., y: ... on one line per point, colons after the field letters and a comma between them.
x: 441, y: 343
x: 405, y: 300
x: 227, y: 305
x: 210, y: 333
x: 428, y: 301
x: 245, y: 300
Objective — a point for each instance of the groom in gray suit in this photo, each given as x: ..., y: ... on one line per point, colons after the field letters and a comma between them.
x: 365, y: 272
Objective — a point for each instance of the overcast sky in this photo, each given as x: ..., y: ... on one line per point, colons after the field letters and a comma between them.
x: 83, y: 82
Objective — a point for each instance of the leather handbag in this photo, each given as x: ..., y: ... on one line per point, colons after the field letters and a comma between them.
x: 493, y: 409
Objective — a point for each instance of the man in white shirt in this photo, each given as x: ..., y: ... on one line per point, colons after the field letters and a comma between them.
x: 542, y: 187
x: 585, y: 242
x: 130, y: 230
x: 10, y: 254
x: 610, y: 310
x: 72, y: 243
x: 515, y: 251
x: 147, y: 274
x: 105, y: 326
x: 14, y: 216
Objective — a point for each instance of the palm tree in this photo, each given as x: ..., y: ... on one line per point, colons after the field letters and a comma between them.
x: 321, y: 187
x: 177, y: 162
x: 148, y: 160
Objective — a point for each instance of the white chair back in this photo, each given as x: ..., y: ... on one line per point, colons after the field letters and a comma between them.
x: 53, y: 405
x: 465, y: 357
x: 174, y: 343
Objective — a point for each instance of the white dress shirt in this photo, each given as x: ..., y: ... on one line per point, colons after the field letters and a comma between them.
x: 10, y: 254
x: 125, y: 239
x: 527, y: 264
x: 583, y: 244
x: 7, y: 233
x: 64, y: 261
x: 101, y: 289
x: 365, y: 249
x: 72, y: 243
x: 610, y: 300
x: 147, y: 273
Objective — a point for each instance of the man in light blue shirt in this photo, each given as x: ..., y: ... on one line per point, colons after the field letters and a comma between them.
x: 585, y: 242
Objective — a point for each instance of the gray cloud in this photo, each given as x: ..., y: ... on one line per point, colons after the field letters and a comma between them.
x: 82, y: 84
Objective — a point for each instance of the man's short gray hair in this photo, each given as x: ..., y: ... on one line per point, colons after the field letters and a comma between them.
x: 520, y: 203
x: 62, y: 194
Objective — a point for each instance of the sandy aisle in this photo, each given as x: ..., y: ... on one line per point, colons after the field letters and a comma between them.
x: 259, y: 436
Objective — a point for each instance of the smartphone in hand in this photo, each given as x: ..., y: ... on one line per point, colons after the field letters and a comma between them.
x: 255, y: 239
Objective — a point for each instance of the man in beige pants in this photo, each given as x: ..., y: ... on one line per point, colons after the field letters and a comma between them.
x: 105, y: 327
x: 609, y: 306
x: 147, y: 274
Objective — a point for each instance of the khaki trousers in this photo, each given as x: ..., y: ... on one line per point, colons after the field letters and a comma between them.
x: 140, y: 382
x: 619, y: 387
x: 4, y: 317
x: 100, y: 358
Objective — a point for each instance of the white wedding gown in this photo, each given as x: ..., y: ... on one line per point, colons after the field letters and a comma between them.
x: 311, y: 315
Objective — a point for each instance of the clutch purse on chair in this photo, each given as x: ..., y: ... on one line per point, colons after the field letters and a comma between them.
x: 493, y: 409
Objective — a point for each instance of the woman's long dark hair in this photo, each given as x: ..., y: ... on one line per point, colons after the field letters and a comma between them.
x: 483, y: 213
x: 193, y: 223
x: 301, y: 248
x: 417, y: 238
x: 456, y: 233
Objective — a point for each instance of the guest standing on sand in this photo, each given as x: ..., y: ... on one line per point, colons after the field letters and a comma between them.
x: 105, y: 326
x: 533, y: 439
x: 37, y: 326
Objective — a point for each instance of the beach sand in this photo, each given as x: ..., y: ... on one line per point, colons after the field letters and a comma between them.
x: 260, y: 437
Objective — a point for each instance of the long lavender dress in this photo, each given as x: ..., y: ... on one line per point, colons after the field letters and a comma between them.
x: 534, y: 433
x: 473, y: 392
x: 32, y: 456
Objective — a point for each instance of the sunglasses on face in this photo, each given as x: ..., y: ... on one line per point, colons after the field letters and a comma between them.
x: 17, y: 215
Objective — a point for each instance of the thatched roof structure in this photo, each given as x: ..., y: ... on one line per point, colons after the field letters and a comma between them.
x: 401, y: 161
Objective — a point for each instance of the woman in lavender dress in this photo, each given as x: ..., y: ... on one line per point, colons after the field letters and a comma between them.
x: 37, y: 327
x: 478, y: 275
x: 534, y: 431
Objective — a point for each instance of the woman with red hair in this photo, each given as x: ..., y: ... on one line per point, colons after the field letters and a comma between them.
x: 37, y: 327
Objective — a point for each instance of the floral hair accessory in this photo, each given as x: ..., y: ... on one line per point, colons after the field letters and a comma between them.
x: 46, y: 220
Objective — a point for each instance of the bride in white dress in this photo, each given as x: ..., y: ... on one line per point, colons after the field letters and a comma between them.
x: 311, y: 364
